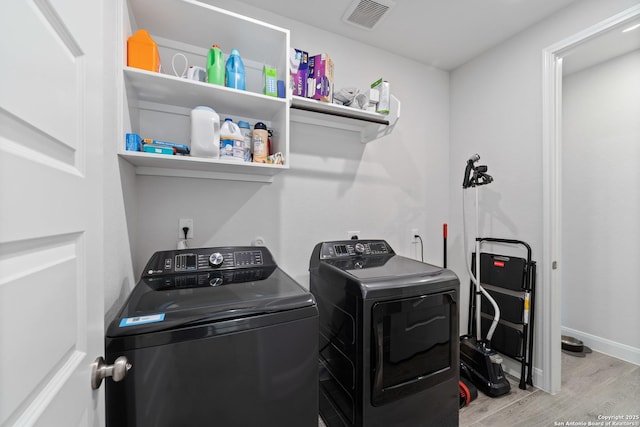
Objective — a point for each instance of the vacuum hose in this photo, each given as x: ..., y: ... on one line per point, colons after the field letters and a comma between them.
x: 467, y: 182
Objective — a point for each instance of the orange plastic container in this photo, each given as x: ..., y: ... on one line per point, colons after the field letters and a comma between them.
x: 142, y: 52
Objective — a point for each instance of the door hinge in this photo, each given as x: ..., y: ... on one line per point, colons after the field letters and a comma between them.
x: 554, y: 265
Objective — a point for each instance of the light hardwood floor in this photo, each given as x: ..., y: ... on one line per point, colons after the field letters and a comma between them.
x: 592, y: 387
x: 597, y: 385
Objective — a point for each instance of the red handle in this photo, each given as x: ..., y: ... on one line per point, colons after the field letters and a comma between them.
x: 444, y: 231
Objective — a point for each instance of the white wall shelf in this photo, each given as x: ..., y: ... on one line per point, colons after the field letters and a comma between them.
x: 170, y: 90
x: 197, y: 167
x: 369, y: 125
x: 157, y: 105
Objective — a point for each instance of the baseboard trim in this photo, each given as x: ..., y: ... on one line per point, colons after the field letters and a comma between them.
x: 537, y: 378
x: 608, y: 347
x: 513, y: 368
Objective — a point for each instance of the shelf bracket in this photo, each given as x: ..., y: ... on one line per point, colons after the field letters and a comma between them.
x: 369, y: 125
x: 373, y: 132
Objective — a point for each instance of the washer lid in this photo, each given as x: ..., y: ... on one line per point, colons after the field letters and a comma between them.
x: 168, y: 302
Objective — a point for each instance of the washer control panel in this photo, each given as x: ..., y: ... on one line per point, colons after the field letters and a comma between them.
x: 207, y: 259
x: 354, y: 248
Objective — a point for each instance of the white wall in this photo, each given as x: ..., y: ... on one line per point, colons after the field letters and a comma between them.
x: 496, y: 109
x: 118, y: 267
x: 409, y: 179
x: 335, y: 183
x: 601, y: 205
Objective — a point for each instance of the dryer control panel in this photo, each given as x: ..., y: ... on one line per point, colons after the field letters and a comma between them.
x: 207, y: 259
x: 354, y: 248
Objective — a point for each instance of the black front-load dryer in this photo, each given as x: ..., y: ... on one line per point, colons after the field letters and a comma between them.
x: 215, y: 337
x: 388, y: 337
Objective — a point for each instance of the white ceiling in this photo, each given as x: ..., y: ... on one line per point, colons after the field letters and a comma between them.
x: 442, y: 33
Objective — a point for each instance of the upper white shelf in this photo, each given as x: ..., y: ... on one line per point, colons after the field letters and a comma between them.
x: 370, y: 125
x: 180, y: 92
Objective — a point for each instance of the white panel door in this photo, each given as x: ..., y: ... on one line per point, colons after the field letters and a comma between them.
x: 51, y: 276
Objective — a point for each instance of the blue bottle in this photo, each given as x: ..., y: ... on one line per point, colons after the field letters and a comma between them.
x: 235, y: 76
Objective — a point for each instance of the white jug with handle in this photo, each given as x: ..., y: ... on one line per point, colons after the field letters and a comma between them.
x: 205, y: 133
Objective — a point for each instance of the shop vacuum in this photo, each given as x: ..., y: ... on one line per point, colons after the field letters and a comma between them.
x: 478, y: 362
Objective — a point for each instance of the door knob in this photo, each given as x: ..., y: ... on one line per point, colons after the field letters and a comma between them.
x: 101, y: 370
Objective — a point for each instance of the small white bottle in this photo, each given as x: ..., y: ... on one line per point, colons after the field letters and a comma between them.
x: 205, y: 133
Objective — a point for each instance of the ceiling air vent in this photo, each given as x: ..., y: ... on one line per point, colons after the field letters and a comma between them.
x: 367, y: 13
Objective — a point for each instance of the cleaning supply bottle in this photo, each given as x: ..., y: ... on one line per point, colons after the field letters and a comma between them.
x: 259, y: 142
x: 231, y: 142
x: 142, y: 52
x: 215, y: 66
x: 245, y: 129
x: 205, y: 132
x: 235, y: 76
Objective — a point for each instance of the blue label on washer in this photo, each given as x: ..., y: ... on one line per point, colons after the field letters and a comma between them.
x: 141, y: 320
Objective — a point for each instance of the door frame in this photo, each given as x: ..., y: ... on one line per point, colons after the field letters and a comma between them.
x: 551, y: 193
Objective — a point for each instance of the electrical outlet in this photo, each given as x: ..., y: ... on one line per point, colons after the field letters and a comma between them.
x: 350, y: 234
x: 414, y: 232
x: 185, y: 222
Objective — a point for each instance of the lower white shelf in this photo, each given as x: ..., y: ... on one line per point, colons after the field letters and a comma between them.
x: 197, y: 167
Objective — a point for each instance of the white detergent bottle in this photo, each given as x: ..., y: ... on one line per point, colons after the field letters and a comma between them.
x: 231, y: 142
x: 205, y: 133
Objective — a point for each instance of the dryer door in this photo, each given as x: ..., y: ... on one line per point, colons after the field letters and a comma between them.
x: 414, y: 345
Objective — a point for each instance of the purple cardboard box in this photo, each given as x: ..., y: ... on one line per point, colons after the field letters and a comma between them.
x: 320, y: 81
x: 299, y: 72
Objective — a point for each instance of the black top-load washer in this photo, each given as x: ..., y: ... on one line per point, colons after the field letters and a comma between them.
x: 215, y: 336
x: 389, y: 346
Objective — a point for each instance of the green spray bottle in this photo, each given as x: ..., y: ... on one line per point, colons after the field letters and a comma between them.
x: 215, y: 66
